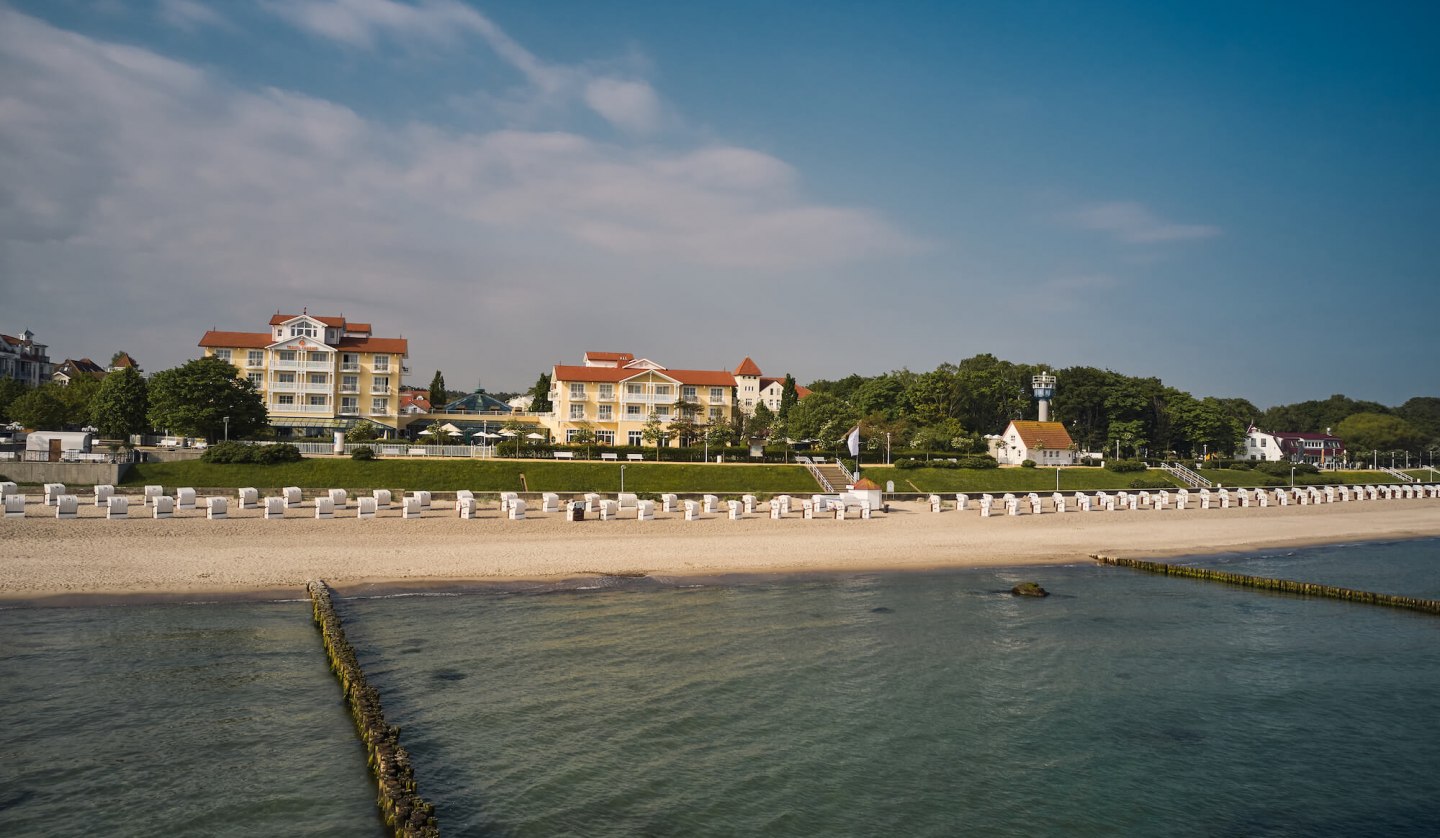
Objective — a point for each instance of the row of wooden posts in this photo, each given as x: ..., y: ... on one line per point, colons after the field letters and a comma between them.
x: 1289, y: 586
x: 401, y: 805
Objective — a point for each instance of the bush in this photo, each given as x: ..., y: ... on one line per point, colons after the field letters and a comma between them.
x: 1028, y: 464
x: 237, y: 452
x: 965, y: 461
x: 1089, y: 461
x: 1280, y: 468
x: 1125, y: 466
x: 364, y: 452
x: 1150, y: 483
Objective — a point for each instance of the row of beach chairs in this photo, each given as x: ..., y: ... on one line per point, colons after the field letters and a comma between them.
x: 1034, y: 504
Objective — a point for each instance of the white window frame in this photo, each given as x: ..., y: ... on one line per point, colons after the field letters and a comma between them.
x: 222, y: 354
x: 577, y: 412
x: 255, y: 358
x: 577, y: 390
x: 382, y: 363
x: 636, y: 438
x: 607, y: 391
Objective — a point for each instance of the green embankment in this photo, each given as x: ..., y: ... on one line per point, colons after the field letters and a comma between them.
x: 653, y: 478
x: 479, y: 476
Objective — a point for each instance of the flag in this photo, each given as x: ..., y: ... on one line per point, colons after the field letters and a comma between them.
x: 853, y: 442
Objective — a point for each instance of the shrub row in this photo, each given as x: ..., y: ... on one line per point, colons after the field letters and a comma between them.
x: 963, y: 461
x: 1125, y: 466
x: 238, y: 452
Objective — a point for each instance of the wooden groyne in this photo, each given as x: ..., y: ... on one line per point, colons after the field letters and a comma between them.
x: 401, y: 805
x: 1288, y: 586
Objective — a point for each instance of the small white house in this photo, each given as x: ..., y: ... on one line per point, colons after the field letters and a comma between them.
x: 1047, y: 443
x: 59, y: 442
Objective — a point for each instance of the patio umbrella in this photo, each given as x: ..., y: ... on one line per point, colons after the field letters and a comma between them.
x: 427, y: 432
x: 454, y: 433
x: 534, y: 436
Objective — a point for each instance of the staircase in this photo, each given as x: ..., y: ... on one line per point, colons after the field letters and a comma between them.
x: 831, y: 476
x: 1398, y: 474
x: 1187, y: 475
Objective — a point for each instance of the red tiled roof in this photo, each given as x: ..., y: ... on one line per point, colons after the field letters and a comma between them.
x: 241, y: 340
x: 333, y: 322
x: 123, y: 361
x: 1050, y: 434
x: 394, y: 346
x: 617, y: 357
x: 747, y: 367
x: 699, y: 378
x: 801, y: 391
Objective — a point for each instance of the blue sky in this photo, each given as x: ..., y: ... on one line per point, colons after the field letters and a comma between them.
x: 1240, y: 199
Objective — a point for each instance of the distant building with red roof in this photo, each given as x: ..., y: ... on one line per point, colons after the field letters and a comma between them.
x: 614, y: 394
x: 1045, y: 443
x: 1316, y: 449
x: 317, y: 374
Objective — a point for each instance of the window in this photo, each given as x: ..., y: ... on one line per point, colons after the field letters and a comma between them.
x: 380, y: 383
x: 1262, y: 442
x: 349, y: 404
x: 222, y: 354
x: 318, y: 400
x: 287, y: 355
x: 285, y: 378
x: 714, y: 414
x: 634, y: 389
x: 662, y: 410
x: 636, y: 438
x: 256, y: 379
x: 379, y: 405
x: 577, y: 411
x: 302, y: 330
x: 577, y: 390
x: 285, y: 399
x: 255, y: 358
x: 607, y: 392
x: 717, y: 394
x: 606, y: 412
x: 749, y: 402
x: 570, y: 435
x: 605, y: 437
x: 319, y: 378
x: 633, y: 411
x: 382, y: 363
x: 350, y: 383
x: 662, y: 390
x: 349, y: 361
x: 688, y: 393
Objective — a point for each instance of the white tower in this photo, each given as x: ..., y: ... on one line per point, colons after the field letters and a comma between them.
x: 1044, y: 385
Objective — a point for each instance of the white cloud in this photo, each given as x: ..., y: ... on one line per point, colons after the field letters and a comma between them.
x: 160, y: 193
x: 629, y: 105
x: 188, y: 14
x: 1133, y: 223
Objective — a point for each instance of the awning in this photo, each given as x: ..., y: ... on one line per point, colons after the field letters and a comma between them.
x: 334, y: 424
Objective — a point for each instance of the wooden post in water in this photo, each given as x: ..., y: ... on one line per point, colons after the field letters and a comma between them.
x: 401, y: 805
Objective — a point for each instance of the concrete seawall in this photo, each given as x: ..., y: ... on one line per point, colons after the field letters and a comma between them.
x: 71, y: 474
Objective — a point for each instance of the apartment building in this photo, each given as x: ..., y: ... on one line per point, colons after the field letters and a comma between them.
x: 615, y: 394
x: 317, y: 374
x: 24, y: 360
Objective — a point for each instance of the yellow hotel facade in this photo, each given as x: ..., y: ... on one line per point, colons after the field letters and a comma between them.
x: 614, y: 394
x: 317, y: 374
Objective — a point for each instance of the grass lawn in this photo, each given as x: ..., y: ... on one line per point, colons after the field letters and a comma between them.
x: 480, y: 476
x: 944, y: 481
x: 1240, y: 477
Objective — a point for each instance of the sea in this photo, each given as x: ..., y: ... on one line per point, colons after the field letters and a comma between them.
x: 927, y: 703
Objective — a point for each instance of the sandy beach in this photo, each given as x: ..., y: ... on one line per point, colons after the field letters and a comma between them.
x: 187, y: 555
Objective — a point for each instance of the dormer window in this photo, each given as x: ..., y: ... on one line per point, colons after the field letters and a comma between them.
x: 303, y: 330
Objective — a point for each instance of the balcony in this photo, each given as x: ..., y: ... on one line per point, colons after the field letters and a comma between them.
x: 302, y: 365
x: 350, y: 367
x: 300, y: 408
x: 283, y: 386
x: 350, y: 388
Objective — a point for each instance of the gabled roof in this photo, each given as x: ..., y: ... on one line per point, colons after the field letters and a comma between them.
x: 698, y: 378
x: 747, y: 367
x: 1049, y: 434
x: 393, y: 346
x: 236, y: 340
x: 332, y: 322
x: 616, y: 357
x: 1296, y: 435
x: 123, y: 360
x: 801, y: 391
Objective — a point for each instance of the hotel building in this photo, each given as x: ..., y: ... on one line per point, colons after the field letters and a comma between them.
x: 317, y: 374
x: 615, y: 394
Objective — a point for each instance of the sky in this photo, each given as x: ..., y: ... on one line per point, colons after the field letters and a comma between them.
x: 1238, y: 198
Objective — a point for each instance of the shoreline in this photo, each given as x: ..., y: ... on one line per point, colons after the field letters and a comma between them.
x: 92, y: 561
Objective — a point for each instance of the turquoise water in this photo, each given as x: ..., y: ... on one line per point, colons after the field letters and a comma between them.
x: 862, y: 704
x: 218, y: 719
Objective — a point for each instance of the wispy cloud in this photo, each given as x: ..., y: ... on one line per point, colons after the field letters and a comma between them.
x: 188, y: 14
x: 1134, y: 223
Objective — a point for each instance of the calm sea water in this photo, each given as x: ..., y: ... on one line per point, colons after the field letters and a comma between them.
x: 887, y: 704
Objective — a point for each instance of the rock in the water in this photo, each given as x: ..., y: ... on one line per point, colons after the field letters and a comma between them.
x: 1029, y: 589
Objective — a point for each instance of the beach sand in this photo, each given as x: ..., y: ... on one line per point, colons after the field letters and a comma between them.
x: 187, y: 556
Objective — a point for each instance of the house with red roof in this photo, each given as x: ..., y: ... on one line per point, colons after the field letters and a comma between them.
x: 615, y: 394
x: 72, y: 369
x: 1045, y: 443
x: 1323, y: 450
x: 24, y: 360
x: 317, y: 374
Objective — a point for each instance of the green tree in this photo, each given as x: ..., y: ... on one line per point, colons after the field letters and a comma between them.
x: 10, y: 390
x: 362, y: 431
x: 438, y: 396
x: 1423, y: 414
x: 820, y: 417
x: 789, y: 396
x: 655, y: 433
x: 540, y: 395
x: 760, y: 423
x: 1363, y: 432
x: 120, y: 405
x: 583, y: 434
x: 194, y: 398
x: 40, y: 408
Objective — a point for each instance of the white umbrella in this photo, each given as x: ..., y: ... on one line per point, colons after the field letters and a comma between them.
x: 534, y: 436
x: 454, y: 433
x: 427, y: 432
x: 507, y: 433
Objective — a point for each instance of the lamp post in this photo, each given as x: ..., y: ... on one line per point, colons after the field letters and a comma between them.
x: 1292, y: 477
x: 622, y: 477
x: 227, y: 428
x: 887, y: 448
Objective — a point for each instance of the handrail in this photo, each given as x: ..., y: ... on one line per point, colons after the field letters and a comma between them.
x: 1187, y: 474
x: 849, y: 477
x: 820, y: 477
x: 1398, y: 474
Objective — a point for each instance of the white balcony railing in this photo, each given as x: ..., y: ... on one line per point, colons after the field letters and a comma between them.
x: 300, y: 408
x: 283, y: 386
